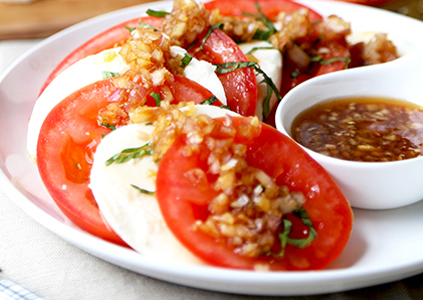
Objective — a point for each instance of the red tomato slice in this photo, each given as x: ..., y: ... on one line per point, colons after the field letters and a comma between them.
x: 288, y: 164
x: 270, y: 8
x: 69, y: 137
x: 104, y: 40
x: 240, y: 85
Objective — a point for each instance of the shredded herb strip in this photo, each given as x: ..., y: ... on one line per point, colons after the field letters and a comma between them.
x: 232, y: 66
x: 142, y: 25
x: 130, y: 29
x: 225, y: 107
x: 261, y: 34
x: 209, y: 101
x: 295, y: 74
x: 157, y: 98
x: 130, y: 153
x: 259, y: 48
x: 108, y: 74
x: 299, y: 243
x: 110, y: 126
x: 213, y: 27
x: 322, y: 61
x: 157, y: 13
x: 186, y: 60
x: 142, y: 190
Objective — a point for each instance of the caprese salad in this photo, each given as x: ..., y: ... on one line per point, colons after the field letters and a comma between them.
x: 150, y: 135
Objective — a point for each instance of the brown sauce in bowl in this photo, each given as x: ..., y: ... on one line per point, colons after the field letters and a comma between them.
x: 367, y: 129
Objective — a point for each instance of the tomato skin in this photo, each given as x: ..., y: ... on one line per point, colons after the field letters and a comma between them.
x: 240, y: 85
x: 68, y: 139
x: 286, y: 162
x: 270, y: 8
x: 105, y: 40
x: 56, y: 143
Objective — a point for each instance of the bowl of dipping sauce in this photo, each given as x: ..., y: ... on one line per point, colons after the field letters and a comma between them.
x: 365, y: 127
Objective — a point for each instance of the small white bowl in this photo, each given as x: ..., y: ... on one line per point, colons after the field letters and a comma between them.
x: 374, y: 185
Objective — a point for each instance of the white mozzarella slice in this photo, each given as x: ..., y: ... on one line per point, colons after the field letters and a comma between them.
x: 78, y: 75
x: 270, y: 61
x: 203, y: 73
x: 134, y: 215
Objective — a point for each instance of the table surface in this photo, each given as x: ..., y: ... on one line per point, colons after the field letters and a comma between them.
x: 44, y: 263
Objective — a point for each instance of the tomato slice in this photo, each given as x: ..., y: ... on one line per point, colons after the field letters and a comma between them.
x: 270, y: 8
x: 105, y: 40
x: 240, y: 85
x: 288, y: 164
x: 69, y: 137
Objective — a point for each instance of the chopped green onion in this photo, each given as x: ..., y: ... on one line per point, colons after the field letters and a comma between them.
x: 157, y: 13
x: 130, y: 153
x: 209, y: 101
x: 142, y: 190
x: 157, y: 97
x: 108, y: 74
x: 186, y: 60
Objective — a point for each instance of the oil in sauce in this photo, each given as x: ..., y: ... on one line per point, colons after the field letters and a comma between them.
x: 367, y: 129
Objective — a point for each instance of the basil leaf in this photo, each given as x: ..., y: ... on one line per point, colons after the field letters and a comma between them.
x: 142, y: 25
x: 110, y: 126
x: 209, y: 101
x: 142, y: 190
x: 157, y: 97
x: 108, y: 74
x: 130, y: 29
x: 283, y: 237
x: 312, y: 234
x: 322, y: 61
x: 225, y: 107
x: 295, y: 74
x: 130, y: 153
x: 232, y: 66
x: 213, y: 27
x: 299, y: 243
x: 259, y: 48
x: 186, y: 60
x: 157, y: 13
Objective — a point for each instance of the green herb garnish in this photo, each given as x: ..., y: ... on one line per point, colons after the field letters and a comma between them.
x: 108, y: 74
x: 142, y: 190
x: 213, y: 27
x: 209, y: 101
x: 259, y: 48
x: 186, y: 60
x: 130, y: 153
x: 232, y: 66
x: 156, y: 97
x: 322, y: 61
x: 157, y: 13
x: 299, y: 243
x: 110, y: 126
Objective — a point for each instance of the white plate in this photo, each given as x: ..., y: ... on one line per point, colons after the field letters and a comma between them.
x: 385, y: 245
